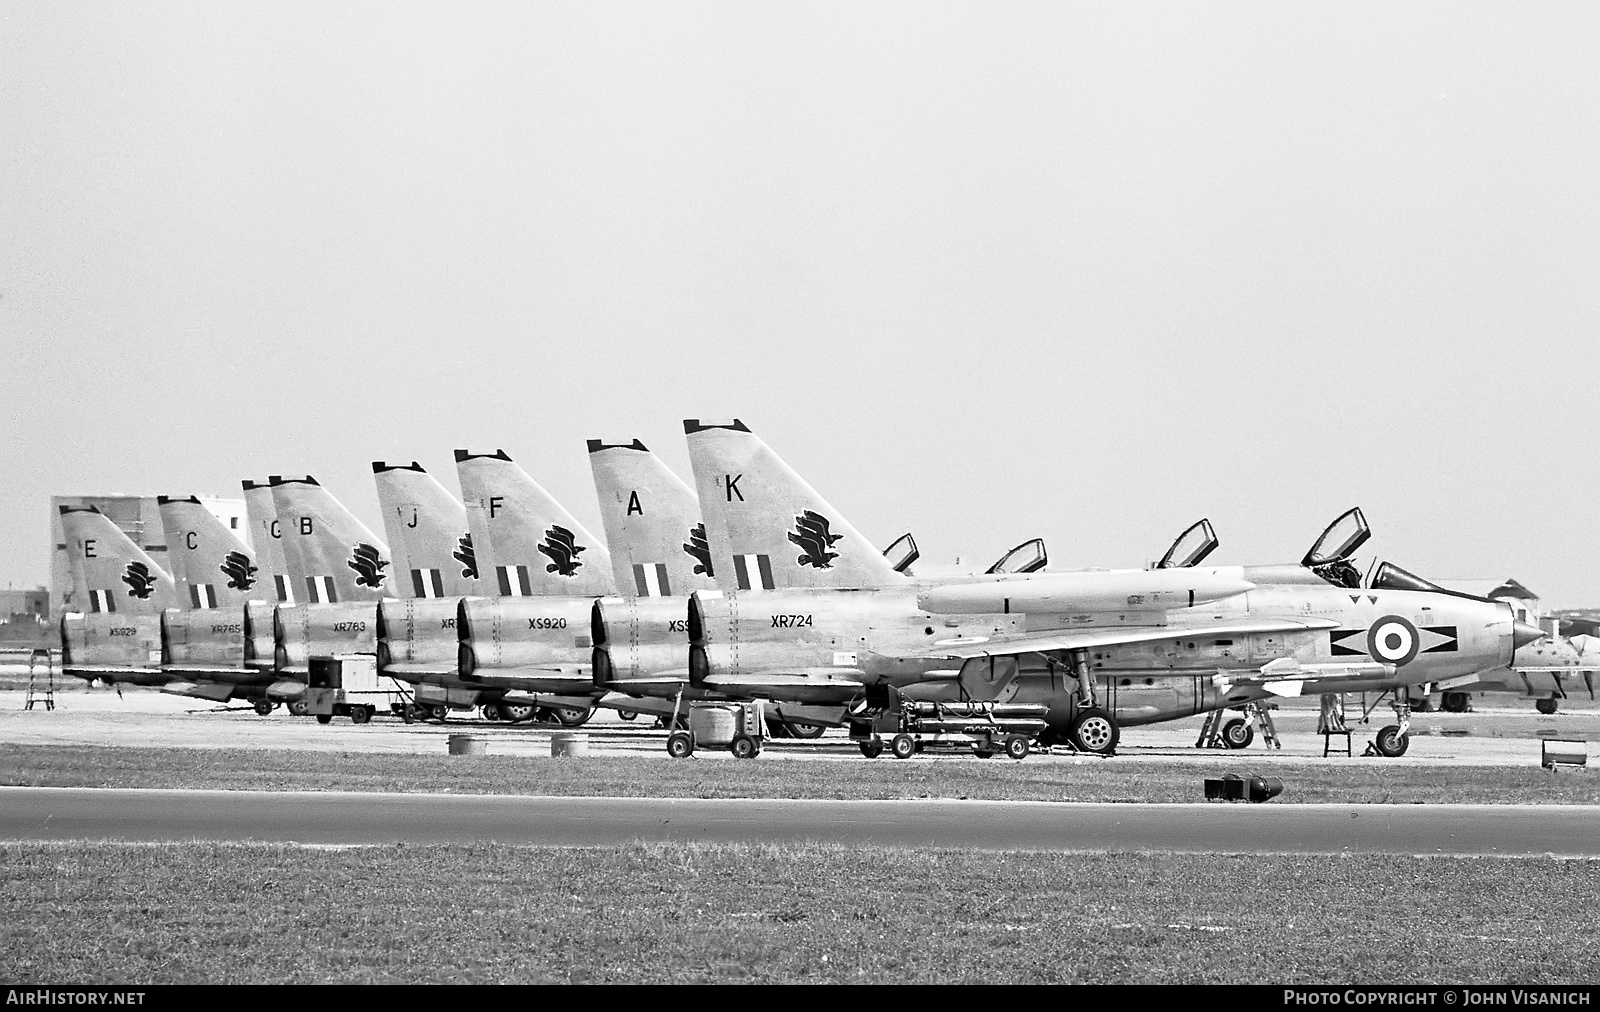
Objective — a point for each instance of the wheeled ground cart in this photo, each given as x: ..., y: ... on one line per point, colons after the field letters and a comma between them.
x: 738, y: 726
x: 344, y: 687
x: 907, y: 727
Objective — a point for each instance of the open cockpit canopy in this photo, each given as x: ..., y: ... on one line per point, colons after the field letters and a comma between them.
x: 1192, y: 546
x: 1028, y: 557
x: 1330, y: 556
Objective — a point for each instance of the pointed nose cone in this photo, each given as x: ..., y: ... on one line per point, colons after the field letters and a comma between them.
x: 1522, y: 634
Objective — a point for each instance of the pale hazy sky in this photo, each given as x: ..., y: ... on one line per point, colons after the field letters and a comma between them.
x: 980, y: 271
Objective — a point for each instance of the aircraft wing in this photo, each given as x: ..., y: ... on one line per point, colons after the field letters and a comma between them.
x: 1051, y: 640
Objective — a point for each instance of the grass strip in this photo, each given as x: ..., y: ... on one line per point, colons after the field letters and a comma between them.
x: 202, y: 912
x: 1118, y: 779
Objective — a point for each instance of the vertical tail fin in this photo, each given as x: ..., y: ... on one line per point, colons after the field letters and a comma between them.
x: 109, y: 572
x: 213, y: 567
x: 527, y: 545
x: 768, y: 528
x: 653, y: 527
x: 331, y: 555
x: 268, y: 538
x: 427, y: 528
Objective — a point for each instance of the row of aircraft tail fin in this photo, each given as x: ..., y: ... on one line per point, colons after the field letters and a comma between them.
x: 766, y: 529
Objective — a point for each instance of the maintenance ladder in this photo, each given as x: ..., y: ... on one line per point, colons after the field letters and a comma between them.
x: 35, y: 695
x: 1258, y: 712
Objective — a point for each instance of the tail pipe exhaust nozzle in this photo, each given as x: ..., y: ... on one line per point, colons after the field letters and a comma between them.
x: 600, y: 658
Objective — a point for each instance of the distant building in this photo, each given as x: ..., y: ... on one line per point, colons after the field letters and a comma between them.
x: 1524, y: 602
x: 35, y: 602
x: 140, y: 519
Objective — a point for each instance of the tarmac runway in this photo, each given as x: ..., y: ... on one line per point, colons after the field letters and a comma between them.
x: 341, y: 818
x: 1506, y: 735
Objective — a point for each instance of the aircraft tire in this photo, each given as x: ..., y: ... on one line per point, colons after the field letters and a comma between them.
x: 1095, y: 730
x: 439, y: 712
x: 1016, y: 747
x: 324, y: 718
x: 808, y: 731
x: 264, y: 707
x: 744, y: 747
x: 573, y: 718
x: 491, y: 712
x: 1237, y: 733
x: 872, y: 749
x: 626, y: 715
x: 903, y: 746
x: 680, y: 745
x: 1390, y: 742
x: 1455, y: 702
x: 298, y: 708
x: 1546, y: 706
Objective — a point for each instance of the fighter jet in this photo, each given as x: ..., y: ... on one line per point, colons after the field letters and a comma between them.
x: 639, y: 640
x: 1100, y: 648
x: 136, y: 633
x: 223, y: 640
x: 119, y: 637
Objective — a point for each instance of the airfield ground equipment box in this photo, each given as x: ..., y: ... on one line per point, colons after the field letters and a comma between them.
x: 346, y: 687
x: 738, y: 727
x: 908, y: 726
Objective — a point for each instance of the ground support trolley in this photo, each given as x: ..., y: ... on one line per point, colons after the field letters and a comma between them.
x: 740, y: 727
x: 985, y: 729
x: 345, y: 687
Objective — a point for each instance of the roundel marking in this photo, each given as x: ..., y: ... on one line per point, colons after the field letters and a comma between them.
x: 1393, y: 640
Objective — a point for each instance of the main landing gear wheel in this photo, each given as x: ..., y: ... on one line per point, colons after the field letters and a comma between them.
x: 439, y: 712
x: 1454, y: 702
x: 298, y: 708
x: 264, y: 707
x: 1095, y: 730
x: 872, y: 749
x: 1546, y: 706
x: 1390, y: 742
x: 324, y: 718
x: 680, y: 745
x: 491, y: 712
x: 515, y: 713
x: 360, y: 714
x: 903, y: 746
x: 1016, y: 747
x: 745, y: 747
x: 626, y: 715
x: 805, y: 730
x: 1237, y: 733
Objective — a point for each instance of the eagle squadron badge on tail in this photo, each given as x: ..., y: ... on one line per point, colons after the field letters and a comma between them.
x: 141, y: 582
x: 464, y: 555
x: 562, y: 550
x: 812, y: 535
x: 239, y: 570
x: 368, y: 565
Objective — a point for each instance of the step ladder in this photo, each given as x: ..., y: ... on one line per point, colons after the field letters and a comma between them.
x: 1262, y: 713
x: 1330, y: 722
x: 36, y: 694
x: 1258, y: 713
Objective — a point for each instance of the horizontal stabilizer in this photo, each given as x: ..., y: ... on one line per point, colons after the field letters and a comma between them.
x: 214, y: 691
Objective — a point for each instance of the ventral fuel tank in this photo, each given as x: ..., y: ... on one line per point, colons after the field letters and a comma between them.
x: 1109, y: 590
